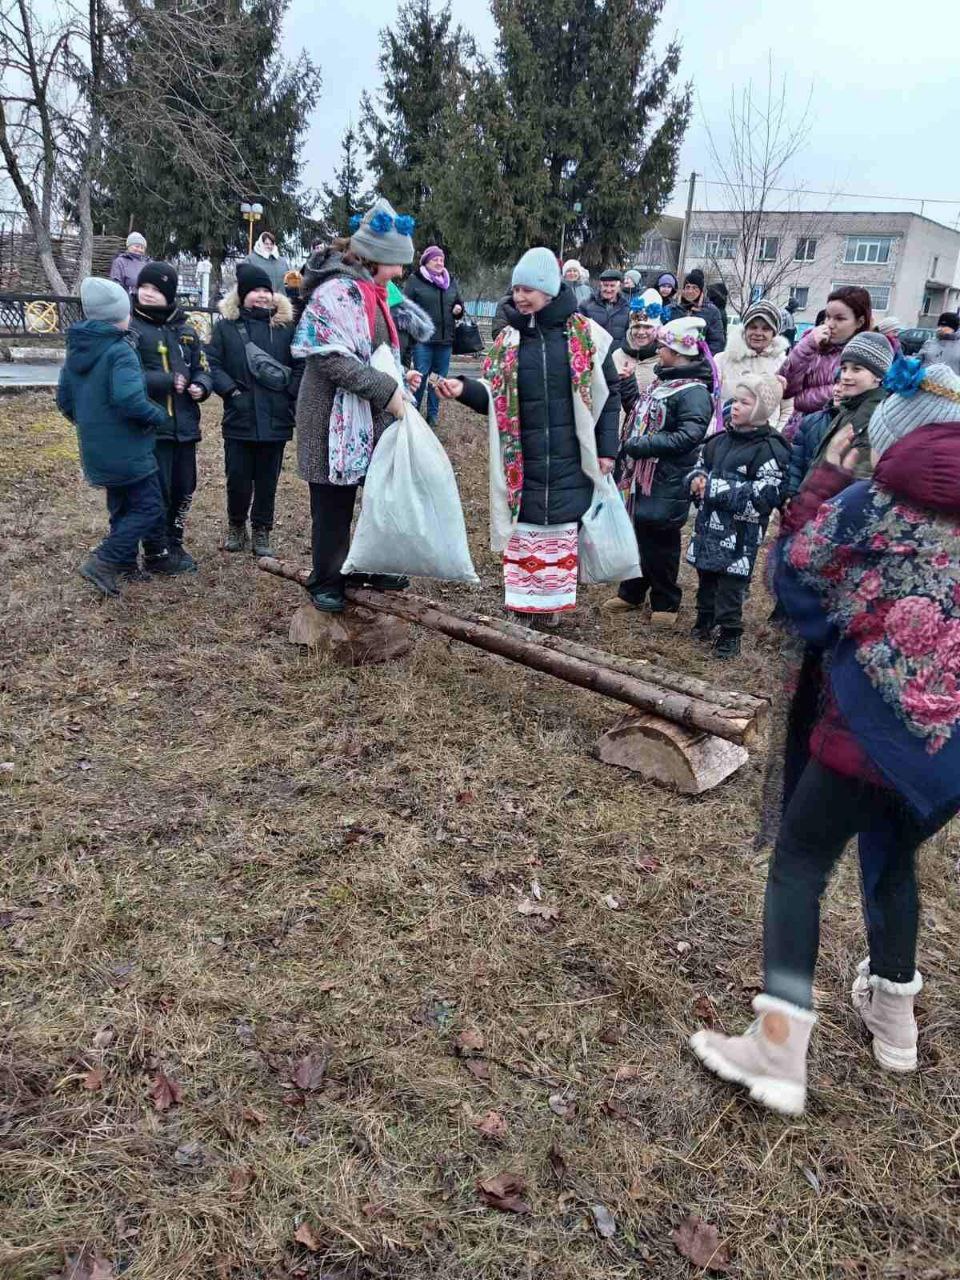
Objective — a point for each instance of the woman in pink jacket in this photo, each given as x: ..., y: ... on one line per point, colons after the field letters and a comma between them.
x: 809, y: 370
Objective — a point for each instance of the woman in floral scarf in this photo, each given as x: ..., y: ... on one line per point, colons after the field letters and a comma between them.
x: 550, y: 392
x: 868, y: 572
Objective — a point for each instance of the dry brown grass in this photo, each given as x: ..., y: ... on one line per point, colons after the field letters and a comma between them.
x: 231, y: 855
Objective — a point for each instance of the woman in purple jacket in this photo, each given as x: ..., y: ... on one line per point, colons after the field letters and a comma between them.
x: 810, y: 368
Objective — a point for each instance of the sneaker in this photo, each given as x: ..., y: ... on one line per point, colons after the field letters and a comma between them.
x: 327, y: 601
x: 379, y: 581
x: 886, y: 1010
x: 617, y: 604
x: 236, y: 539
x: 770, y: 1058
x: 727, y: 644
x: 101, y: 574
x: 702, y: 629
x: 260, y: 543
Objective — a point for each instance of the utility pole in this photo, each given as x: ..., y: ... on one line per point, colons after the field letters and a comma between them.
x: 685, y: 235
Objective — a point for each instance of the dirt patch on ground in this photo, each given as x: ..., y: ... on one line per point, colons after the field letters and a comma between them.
x: 249, y: 902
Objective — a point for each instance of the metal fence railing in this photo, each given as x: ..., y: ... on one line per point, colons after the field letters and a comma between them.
x: 50, y: 314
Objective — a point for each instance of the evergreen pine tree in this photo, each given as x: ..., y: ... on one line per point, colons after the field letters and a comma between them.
x: 346, y: 195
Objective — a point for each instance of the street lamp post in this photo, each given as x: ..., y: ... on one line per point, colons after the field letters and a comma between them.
x: 251, y: 213
x: 577, y: 208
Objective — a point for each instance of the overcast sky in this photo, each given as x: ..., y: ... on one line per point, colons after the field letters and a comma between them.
x: 884, y: 117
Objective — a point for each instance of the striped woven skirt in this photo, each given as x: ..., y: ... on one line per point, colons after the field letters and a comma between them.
x: 540, y: 568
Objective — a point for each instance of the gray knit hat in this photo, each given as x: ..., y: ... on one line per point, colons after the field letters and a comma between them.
x: 104, y: 300
x: 937, y: 399
x: 871, y: 350
x: 135, y: 238
x: 382, y: 236
x: 764, y: 310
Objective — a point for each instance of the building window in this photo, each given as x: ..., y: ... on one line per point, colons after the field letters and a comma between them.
x: 868, y: 248
x: 806, y: 249
x: 927, y: 304
x: 799, y: 294
x: 879, y: 293
x: 712, y: 245
x: 769, y: 248
x: 934, y: 267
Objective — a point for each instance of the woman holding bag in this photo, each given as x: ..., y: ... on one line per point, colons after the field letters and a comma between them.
x: 345, y: 404
x: 550, y: 391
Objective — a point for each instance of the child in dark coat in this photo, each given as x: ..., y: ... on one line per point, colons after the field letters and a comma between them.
x: 102, y: 392
x: 739, y: 483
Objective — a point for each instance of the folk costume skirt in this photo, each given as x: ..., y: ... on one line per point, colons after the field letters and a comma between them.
x: 540, y: 568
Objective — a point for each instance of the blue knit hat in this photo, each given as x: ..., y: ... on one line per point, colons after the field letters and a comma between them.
x: 538, y: 269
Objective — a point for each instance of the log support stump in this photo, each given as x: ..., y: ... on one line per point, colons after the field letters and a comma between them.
x: 354, y: 638
x: 659, y: 750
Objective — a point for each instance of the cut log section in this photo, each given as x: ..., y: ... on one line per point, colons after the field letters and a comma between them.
x: 355, y: 638
x: 663, y: 752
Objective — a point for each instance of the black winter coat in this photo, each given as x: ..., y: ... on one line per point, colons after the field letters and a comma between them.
x: 686, y: 415
x: 714, y: 335
x: 438, y: 304
x: 746, y: 474
x: 167, y: 345
x: 555, y: 488
x: 252, y: 411
x: 612, y: 316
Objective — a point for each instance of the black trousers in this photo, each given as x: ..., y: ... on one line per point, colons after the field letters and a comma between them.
x: 331, y: 511
x: 720, y: 599
x: 177, y: 473
x: 825, y: 811
x: 253, y: 472
x: 660, y: 567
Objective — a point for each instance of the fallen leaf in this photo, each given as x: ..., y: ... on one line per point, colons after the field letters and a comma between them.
x: 94, y: 1078
x: 465, y: 797
x: 309, y: 1072
x: 648, y: 865
x: 610, y: 1035
x: 704, y: 1010
x: 683, y: 948
x: 103, y: 1038
x: 628, y: 1071
x: 635, y: 1189
x: 252, y: 1116
x: 615, y: 1108
x: 530, y: 907
x: 491, y: 1125
x: 309, y: 1238
x: 468, y: 1043
x: 699, y: 1242
x: 85, y: 1265
x: 189, y: 1154
x: 611, y: 902
x: 504, y: 1192
x: 165, y: 1092
x: 240, y: 1178
x: 558, y: 1163
x: 477, y: 1068
x: 565, y: 1108
x: 603, y: 1221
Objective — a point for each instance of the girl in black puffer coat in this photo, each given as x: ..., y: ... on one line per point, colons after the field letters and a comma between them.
x: 672, y: 418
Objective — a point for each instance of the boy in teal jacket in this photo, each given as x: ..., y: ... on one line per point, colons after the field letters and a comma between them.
x: 102, y: 392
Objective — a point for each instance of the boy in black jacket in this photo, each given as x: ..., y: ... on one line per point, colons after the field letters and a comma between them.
x: 739, y: 482
x: 178, y: 380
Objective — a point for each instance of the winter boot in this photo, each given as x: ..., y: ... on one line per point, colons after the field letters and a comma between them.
x: 379, y: 581
x: 886, y: 1009
x: 770, y: 1058
x: 133, y: 573
x: 236, y: 539
x: 101, y: 574
x: 261, y: 543
x: 727, y: 644
x: 171, y: 563
x: 327, y: 601
x: 663, y: 618
x: 702, y: 629
x: 617, y: 604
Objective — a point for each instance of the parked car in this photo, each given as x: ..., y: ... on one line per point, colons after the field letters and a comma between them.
x: 913, y: 339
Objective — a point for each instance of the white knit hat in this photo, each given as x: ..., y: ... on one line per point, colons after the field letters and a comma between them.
x: 889, y: 324
x: 682, y: 335
x: 936, y: 398
x: 767, y: 390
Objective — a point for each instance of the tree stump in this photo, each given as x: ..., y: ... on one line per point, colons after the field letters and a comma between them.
x: 688, y: 759
x: 353, y: 638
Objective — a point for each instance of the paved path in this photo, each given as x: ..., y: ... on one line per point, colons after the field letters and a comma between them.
x: 28, y: 377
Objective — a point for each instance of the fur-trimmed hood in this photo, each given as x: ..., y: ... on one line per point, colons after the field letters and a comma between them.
x: 229, y: 308
x: 411, y: 319
x: 738, y: 349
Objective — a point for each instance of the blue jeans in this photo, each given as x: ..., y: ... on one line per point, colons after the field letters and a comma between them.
x: 136, y: 515
x: 431, y: 357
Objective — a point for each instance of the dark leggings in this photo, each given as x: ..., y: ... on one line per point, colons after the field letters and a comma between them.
x: 825, y: 811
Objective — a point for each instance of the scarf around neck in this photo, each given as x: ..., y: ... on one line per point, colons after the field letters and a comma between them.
x: 440, y: 279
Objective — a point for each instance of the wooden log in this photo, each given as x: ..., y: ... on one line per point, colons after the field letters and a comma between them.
x: 667, y: 753
x: 355, y: 638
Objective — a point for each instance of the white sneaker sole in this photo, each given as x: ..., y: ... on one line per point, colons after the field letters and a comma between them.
x: 783, y: 1096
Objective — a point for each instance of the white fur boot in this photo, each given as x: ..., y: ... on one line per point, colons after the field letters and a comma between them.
x: 887, y: 1011
x: 770, y: 1058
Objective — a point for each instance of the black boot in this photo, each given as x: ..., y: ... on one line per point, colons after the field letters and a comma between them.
x: 326, y: 601
x: 260, y: 543
x: 132, y: 573
x: 101, y: 574
x: 379, y: 581
x: 172, y: 562
x: 702, y: 629
x: 236, y: 539
x: 727, y: 643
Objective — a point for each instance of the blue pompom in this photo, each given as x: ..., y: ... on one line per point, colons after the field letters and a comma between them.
x: 904, y: 376
x: 405, y: 224
x: 355, y: 222
x: 381, y: 223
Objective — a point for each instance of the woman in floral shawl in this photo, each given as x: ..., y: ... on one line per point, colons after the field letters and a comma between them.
x: 550, y: 392
x: 345, y: 403
x: 869, y: 572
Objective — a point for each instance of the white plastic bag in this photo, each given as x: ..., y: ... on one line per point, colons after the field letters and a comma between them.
x: 411, y: 520
x: 608, y: 545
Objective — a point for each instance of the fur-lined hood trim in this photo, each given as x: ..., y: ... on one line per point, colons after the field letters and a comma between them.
x: 410, y: 318
x: 737, y: 348
x: 229, y: 308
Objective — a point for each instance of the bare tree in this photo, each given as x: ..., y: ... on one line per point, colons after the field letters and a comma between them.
x: 762, y: 205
